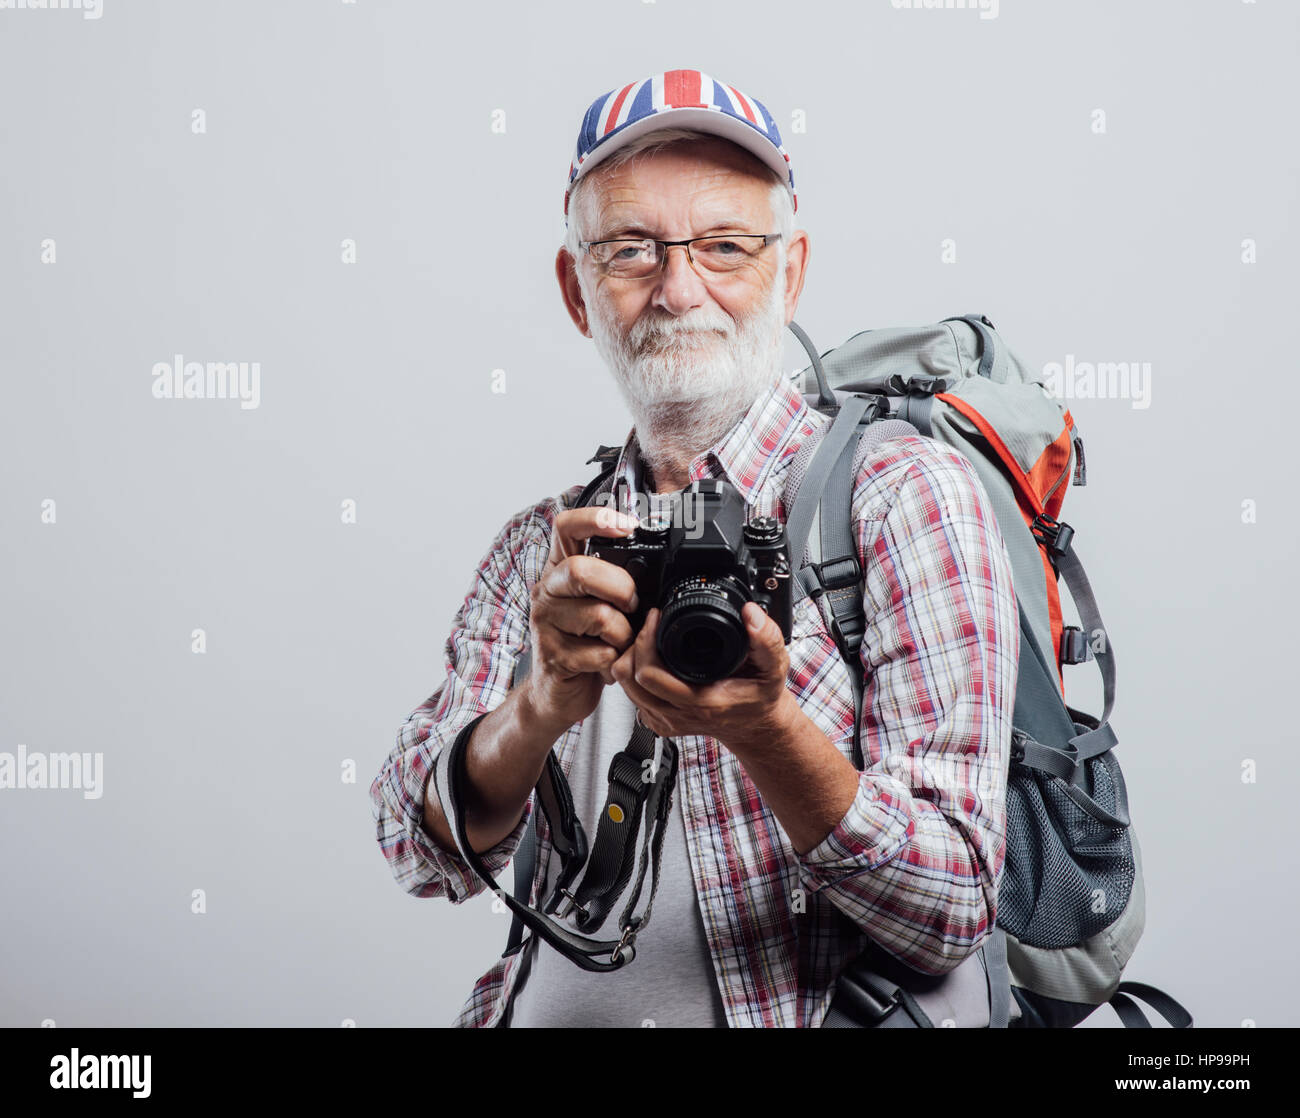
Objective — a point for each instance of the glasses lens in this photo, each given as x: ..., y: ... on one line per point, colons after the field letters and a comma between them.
x: 627, y: 259
x: 726, y: 254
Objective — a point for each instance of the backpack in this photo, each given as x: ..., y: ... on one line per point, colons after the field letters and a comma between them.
x: 1071, y: 906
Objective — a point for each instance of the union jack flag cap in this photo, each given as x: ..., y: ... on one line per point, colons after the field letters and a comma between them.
x: 677, y: 99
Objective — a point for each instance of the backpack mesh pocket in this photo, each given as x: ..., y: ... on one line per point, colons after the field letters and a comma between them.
x: 1069, y: 867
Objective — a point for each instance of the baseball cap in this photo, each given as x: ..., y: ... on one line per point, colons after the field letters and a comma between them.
x: 677, y: 99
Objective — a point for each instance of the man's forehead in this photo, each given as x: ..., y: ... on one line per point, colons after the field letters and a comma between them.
x: 627, y: 205
x: 617, y: 222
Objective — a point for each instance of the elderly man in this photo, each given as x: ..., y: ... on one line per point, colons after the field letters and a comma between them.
x: 780, y: 858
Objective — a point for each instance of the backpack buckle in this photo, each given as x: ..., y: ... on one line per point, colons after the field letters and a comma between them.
x: 920, y: 384
x: 836, y: 574
x: 834, y: 579
x: 1018, y: 739
x: 1075, y: 648
x: 848, y: 641
x: 1055, y: 535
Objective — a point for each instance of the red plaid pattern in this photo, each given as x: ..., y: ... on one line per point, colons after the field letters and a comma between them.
x: 916, y: 861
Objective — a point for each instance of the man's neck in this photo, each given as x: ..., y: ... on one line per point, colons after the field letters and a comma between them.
x: 673, y: 437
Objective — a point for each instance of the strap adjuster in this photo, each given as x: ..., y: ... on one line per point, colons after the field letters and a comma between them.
x: 864, y: 996
x: 1018, y: 739
x: 563, y: 902
x: 848, y: 639
x: 625, y: 771
x: 836, y: 574
x: 627, y: 941
x: 1055, y: 535
x: 1075, y: 647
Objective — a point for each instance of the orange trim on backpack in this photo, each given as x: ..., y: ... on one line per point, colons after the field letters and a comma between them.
x: 995, y: 441
x: 1046, y: 472
x: 1028, y: 489
x: 1050, y: 470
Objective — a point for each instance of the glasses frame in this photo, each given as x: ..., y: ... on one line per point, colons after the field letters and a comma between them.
x: 766, y: 238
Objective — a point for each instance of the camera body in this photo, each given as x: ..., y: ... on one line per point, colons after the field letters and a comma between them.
x: 700, y: 567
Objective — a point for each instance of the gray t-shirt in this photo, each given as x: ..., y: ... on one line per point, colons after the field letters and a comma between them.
x: 670, y: 982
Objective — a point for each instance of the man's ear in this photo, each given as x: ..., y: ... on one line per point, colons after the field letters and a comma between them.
x: 571, y: 291
x: 796, y: 267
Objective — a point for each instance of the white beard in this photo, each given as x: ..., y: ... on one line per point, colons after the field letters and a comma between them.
x: 687, y: 380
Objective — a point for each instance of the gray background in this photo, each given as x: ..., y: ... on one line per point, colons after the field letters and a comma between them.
x: 373, y: 121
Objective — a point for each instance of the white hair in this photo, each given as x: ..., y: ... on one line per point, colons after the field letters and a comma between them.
x: 579, y: 217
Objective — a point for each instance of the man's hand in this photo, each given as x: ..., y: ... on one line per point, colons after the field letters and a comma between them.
x: 751, y: 708
x: 577, y: 618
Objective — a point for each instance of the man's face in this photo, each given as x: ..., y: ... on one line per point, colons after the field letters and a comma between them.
x: 685, y: 335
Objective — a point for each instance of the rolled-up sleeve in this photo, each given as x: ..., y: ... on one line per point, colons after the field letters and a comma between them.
x: 917, y: 859
x: 489, y: 632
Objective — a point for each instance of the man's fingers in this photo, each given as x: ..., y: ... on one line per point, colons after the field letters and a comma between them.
x: 580, y: 617
x: 625, y: 672
x: 578, y: 606
x: 573, y: 527
x: 580, y: 656
x: 651, y: 672
x: 765, y: 657
x: 585, y: 576
x: 766, y: 640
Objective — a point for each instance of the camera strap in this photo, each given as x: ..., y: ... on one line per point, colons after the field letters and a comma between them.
x: 637, y: 785
x: 637, y: 803
x: 639, y: 789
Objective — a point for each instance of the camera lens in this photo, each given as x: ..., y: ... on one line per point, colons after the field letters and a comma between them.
x: 701, y: 631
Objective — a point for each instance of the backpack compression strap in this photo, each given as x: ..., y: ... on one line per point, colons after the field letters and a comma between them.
x: 1162, y: 1003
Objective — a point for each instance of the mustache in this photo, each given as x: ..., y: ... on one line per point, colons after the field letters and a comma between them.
x: 651, y: 332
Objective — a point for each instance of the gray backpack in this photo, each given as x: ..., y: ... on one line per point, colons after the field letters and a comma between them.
x: 1071, y: 904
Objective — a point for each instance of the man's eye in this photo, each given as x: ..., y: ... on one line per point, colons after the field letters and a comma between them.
x: 629, y: 250
x: 722, y: 248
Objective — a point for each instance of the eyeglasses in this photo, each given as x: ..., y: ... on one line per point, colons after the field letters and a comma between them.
x: 638, y: 257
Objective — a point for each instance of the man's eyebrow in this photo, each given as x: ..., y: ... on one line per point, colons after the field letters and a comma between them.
x: 633, y: 230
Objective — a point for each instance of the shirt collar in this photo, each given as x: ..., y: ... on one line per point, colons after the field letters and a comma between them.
x: 746, y: 455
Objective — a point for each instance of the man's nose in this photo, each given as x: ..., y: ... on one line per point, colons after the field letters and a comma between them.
x: 680, y: 287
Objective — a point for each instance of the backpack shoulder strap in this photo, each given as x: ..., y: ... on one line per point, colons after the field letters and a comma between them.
x: 833, y: 572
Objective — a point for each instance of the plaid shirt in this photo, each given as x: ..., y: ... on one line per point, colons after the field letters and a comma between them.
x: 917, y: 859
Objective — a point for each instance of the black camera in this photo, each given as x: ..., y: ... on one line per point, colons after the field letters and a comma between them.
x: 700, y: 566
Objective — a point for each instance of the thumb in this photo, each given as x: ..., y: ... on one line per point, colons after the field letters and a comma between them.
x: 766, y: 642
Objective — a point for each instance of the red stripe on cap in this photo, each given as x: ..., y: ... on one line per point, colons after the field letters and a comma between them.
x: 745, y: 104
x: 682, y: 89
x: 612, y: 119
x: 742, y: 102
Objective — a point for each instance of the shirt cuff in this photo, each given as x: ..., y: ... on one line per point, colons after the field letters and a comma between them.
x: 408, y: 787
x: 875, y: 828
x: 460, y: 875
